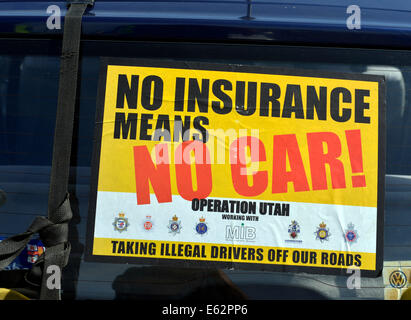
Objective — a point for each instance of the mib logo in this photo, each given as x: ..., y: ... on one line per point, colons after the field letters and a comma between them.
x: 240, y: 233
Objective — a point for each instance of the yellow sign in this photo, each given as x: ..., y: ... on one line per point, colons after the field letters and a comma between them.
x: 231, y: 157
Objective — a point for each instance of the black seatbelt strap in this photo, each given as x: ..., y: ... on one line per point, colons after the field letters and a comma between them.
x: 53, y: 230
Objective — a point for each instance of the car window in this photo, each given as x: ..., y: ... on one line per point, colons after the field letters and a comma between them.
x: 29, y: 73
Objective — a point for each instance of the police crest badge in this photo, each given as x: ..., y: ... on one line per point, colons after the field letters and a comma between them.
x: 350, y: 234
x: 121, y: 223
x: 294, y: 229
x: 322, y: 233
x: 148, y: 224
x: 201, y: 227
x: 174, y: 225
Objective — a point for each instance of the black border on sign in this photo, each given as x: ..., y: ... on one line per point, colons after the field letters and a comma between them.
x: 244, y: 69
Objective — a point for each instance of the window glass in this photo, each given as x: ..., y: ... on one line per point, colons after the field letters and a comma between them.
x: 29, y: 75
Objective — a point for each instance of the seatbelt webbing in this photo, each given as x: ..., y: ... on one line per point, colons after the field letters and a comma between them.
x: 56, y: 241
x: 65, y: 106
